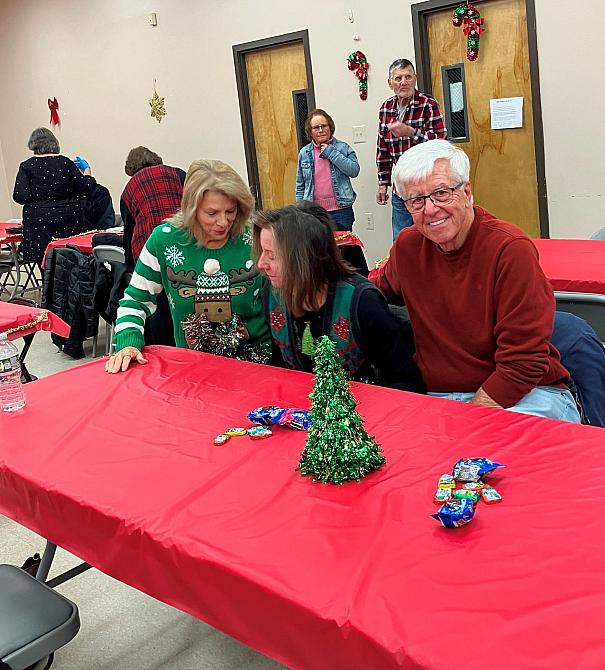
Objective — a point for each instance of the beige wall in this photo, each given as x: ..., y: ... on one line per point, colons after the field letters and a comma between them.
x: 100, y: 58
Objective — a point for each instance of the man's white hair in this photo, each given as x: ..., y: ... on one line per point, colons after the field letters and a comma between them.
x: 419, y: 161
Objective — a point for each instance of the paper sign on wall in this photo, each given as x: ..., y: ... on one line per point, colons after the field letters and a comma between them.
x: 456, y: 97
x: 506, y: 113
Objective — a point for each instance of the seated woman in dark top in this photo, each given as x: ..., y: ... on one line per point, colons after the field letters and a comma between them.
x: 49, y: 187
x: 96, y: 205
x: 311, y: 291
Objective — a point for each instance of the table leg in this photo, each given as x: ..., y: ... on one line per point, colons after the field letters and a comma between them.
x: 15, y: 255
x: 28, y: 339
x: 46, y: 563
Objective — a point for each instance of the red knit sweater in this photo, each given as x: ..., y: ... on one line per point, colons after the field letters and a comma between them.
x: 482, y: 315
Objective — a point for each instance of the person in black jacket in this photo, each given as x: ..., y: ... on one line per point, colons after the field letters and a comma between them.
x: 312, y: 291
x: 96, y: 205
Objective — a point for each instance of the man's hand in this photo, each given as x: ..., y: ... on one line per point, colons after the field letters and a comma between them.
x: 382, y: 197
x: 400, y: 129
x: 481, y: 398
x: 120, y: 361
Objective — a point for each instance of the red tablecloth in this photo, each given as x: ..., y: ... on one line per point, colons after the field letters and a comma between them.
x: 6, y: 237
x: 573, y: 265
x: 29, y: 320
x: 83, y: 242
x: 570, y: 265
x: 120, y: 470
x: 344, y: 238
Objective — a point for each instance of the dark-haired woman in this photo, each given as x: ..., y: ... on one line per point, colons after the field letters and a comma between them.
x: 153, y: 194
x: 325, y: 168
x: 313, y: 292
x: 49, y: 186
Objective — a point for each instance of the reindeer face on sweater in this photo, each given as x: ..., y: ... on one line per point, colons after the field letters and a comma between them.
x: 212, y: 289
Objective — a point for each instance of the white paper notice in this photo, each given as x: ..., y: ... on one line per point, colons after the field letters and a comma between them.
x: 456, y: 97
x: 506, y: 113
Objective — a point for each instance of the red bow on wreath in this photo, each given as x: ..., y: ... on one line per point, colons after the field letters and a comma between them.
x: 53, y: 105
x: 359, y: 64
x: 473, y: 27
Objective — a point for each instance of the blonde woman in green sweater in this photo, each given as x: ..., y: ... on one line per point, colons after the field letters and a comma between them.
x: 202, y: 259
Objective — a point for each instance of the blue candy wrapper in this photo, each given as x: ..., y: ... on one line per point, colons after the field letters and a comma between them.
x: 455, y: 513
x: 297, y: 419
x: 473, y: 469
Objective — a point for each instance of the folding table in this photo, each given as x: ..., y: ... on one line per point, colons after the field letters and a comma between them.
x: 121, y: 470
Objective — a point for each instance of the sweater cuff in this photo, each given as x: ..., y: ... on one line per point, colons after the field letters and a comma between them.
x: 131, y: 337
x: 502, y: 391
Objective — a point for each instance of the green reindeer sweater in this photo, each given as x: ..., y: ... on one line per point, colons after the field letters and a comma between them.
x: 215, y: 282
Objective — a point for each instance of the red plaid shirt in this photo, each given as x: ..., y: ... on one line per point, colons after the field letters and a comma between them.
x: 152, y: 195
x: 423, y: 114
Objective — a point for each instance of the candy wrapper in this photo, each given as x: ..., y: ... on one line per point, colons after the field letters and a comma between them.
x: 447, y: 482
x: 297, y: 419
x: 473, y: 469
x: 465, y: 494
x: 442, y: 495
x: 455, y: 513
x: 490, y: 496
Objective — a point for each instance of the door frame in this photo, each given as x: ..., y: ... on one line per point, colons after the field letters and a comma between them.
x: 420, y: 13
x: 241, y: 76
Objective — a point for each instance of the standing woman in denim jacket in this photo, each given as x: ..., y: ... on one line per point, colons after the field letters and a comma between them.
x: 325, y: 168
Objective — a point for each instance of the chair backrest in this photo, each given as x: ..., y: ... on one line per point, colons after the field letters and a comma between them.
x: 584, y: 357
x: 107, y: 252
x: 599, y: 235
x: 588, y: 306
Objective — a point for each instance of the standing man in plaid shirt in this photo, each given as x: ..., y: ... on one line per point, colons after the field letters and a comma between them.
x: 405, y: 120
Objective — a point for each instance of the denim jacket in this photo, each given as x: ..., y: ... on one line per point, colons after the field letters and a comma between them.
x: 343, y: 166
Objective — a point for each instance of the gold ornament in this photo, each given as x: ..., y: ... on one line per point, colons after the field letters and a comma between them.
x: 156, y: 103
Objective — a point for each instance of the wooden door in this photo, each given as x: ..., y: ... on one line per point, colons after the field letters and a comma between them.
x: 503, y: 162
x: 272, y: 74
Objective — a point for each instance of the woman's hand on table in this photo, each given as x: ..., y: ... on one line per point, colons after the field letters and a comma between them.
x: 121, y: 360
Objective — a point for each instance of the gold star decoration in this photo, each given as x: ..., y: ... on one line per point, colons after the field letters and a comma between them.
x: 156, y: 103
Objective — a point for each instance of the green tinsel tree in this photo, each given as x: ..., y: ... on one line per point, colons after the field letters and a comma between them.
x: 338, y: 447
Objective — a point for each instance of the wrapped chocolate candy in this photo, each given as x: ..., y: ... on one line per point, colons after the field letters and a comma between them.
x: 442, y: 495
x: 259, y: 432
x: 472, y: 469
x: 474, y: 486
x: 465, y: 494
x: 297, y: 419
x: 455, y: 513
x: 490, y: 495
x: 235, y: 432
x: 447, y: 482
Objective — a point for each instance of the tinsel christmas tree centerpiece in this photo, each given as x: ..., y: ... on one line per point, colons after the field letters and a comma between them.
x: 338, y: 447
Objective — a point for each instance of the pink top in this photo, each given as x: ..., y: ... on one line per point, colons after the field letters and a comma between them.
x: 323, y: 190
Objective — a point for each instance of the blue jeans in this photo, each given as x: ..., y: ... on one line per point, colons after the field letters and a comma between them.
x: 343, y: 218
x: 544, y: 401
x: 400, y: 217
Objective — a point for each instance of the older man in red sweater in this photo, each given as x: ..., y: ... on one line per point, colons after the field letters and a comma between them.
x: 480, y: 306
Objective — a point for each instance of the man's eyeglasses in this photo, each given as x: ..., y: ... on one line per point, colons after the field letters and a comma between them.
x: 439, y: 197
x: 320, y: 127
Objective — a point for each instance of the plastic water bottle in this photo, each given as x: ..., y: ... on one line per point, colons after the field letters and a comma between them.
x: 12, y: 394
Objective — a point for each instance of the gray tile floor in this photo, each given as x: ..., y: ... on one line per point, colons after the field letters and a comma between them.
x: 122, y: 629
